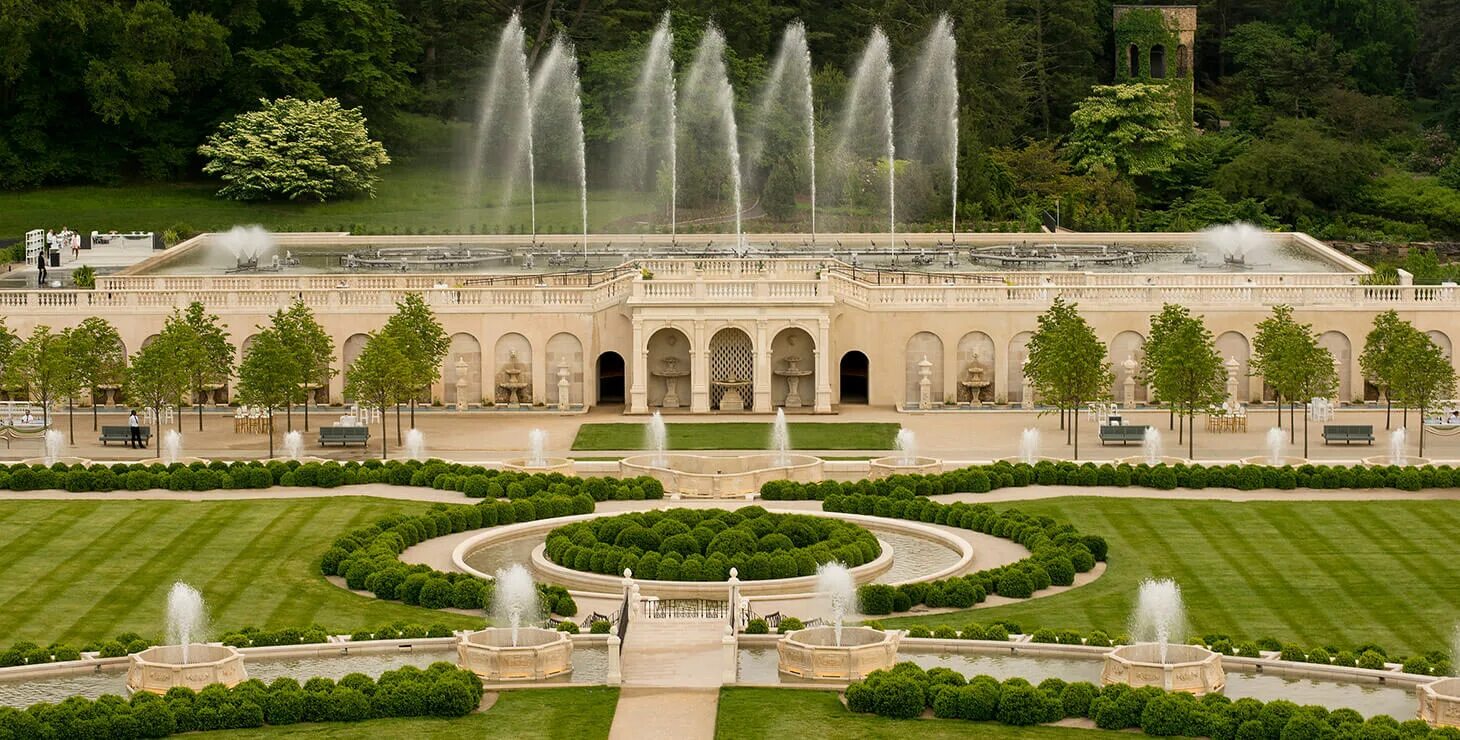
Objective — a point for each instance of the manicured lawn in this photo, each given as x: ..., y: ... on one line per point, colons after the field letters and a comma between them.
x: 740, y: 436
x: 81, y: 570
x: 1315, y: 573
x: 537, y: 714
x: 752, y: 714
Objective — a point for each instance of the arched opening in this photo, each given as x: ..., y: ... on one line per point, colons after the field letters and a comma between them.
x: 975, y: 383
x: 1183, y: 66
x: 461, y: 372
x: 793, y: 373
x: 1337, y: 344
x: 610, y: 379
x: 1133, y: 61
x: 732, y: 370
x: 669, y: 368
x: 854, y: 373
x: 923, y: 360
x: 1125, y: 354
x: 565, y: 353
x: 1158, y: 62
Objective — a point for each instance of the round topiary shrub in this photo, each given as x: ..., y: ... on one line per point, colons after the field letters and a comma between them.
x: 898, y: 697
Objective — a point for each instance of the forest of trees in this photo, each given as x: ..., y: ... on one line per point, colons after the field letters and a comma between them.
x: 1339, y: 117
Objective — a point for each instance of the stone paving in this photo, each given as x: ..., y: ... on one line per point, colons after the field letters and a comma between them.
x: 672, y: 673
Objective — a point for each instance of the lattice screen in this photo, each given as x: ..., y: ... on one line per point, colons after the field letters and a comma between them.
x: 731, y: 357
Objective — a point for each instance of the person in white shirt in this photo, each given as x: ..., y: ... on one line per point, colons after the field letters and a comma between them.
x: 27, y: 417
x: 132, y: 422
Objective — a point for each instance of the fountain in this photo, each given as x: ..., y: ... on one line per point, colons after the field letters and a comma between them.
x: 184, y: 661
x: 171, y: 446
x: 513, y: 381
x: 502, y: 141
x: 1029, y: 446
x: 933, y: 132
x: 713, y: 476
x: 55, y: 441
x: 906, y: 461
x: 515, y: 652
x: 708, y: 102
x: 785, y: 109
x: 657, y: 438
x: 557, y: 123
x: 1151, y: 445
x: 865, y: 132
x: 537, y: 460
x: 1277, y: 444
x: 671, y: 373
x: 1160, y: 659
x: 242, y: 249
x: 415, y: 444
x: 1236, y: 244
x: 836, y: 652
x: 975, y: 385
x: 1439, y: 701
x: 1398, y: 441
x: 781, y: 438
x: 793, y: 373
x: 293, y: 445
x: 648, y: 146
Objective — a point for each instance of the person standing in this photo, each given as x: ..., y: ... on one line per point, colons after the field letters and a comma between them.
x: 40, y: 263
x: 136, y: 428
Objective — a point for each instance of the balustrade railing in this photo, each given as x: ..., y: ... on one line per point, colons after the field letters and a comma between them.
x: 685, y: 609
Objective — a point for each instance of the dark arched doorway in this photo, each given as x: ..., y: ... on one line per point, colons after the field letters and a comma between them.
x: 854, y: 370
x: 610, y: 379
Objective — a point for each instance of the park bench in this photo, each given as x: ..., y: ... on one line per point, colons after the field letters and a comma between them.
x: 343, y: 435
x: 1347, y: 433
x: 1122, y: 433
x: 123, y: 434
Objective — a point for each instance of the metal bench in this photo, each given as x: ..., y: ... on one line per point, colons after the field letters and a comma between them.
x: 123, y: 434
x: 343, y: 435
x: 1122, y: 433
x: 1348, y: 433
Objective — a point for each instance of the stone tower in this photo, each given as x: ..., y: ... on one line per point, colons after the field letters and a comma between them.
x: 1157, y: 44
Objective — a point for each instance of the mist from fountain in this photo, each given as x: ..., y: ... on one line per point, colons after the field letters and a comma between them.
x: 1029, y: 445
x: 1151, y: 445
x: 514, y: 598
x: 707, y: 89
x: 557, y: 122
x: 1236, y: 241
x: 648, y: 145
x: 536, y: 444
x: 187, y: 617
x: 55, y: 443
x: 1397, y: 440
x: 1276, y: 446
x: 241, y: 244
x: 907, y: 446
x: 657, y: 438
x: 781, y: 438
x: 785, y: 106
x: 171, y: 446
x: 1160, y: 615
x: 502, y: 140
x: 834, y: 580
x: 932, y: 131
x: 293, y: 445
x: 415, y: 444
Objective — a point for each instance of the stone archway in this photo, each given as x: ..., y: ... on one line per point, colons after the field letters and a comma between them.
x: 461, y: 372
x: 670, y: 380
x: 732, y: 370
x: 513, y: 360
x: 1232, y: 345
x: 564, y: 352
x: 1018, y: 353
x: 1127, y: 348
x: 349, y: 351
x: 1338, y: 345
x: 793, y: 356
x: 610, y: 374
x: 974, y: 381
x: 923, y: 346
x: 855, y: 374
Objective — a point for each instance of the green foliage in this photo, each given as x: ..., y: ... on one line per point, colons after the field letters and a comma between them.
x: 1067, y: 362
x: 311, y: 150
x: 379, y: 376
x: 41, y: 367
x: 1297, y: 170
x: 422, y: 341
x: 1131, y: 129
x: 84, y: 277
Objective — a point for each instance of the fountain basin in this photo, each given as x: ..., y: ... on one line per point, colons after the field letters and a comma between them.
x: 814, y: 653
x: 157, y: 669
x: 1036, y: 459
x: 1439, y: 702
x: 48, y: 463
x: 1159, y: 460
x: 545, y: 465
x: 1391, y: 460
x: 1189, y: 668
x: 882, y: 467
x: 1277, y: 463
x: 539, y: 653
x: 707, y: 476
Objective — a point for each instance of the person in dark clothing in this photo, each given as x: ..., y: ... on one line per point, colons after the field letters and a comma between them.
x: 136, y: 440
x: 40, y: 263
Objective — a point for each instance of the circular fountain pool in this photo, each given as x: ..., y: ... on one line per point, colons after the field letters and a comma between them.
x: 713, y: 476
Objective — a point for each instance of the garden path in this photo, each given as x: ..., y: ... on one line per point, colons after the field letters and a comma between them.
x: 672, y: 672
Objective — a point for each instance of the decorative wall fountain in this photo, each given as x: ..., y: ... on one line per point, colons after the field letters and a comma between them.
x: 515, y: 386
x: 793, y: 373
x: 515, y: 652
x: 671, y: 373
x: 974, y: 387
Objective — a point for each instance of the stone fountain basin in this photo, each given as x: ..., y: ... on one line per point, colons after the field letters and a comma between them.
x: 1439, y: 702
x: 538, y: 654
x: 1390, y: 460
x: 1189, y: 668
x: 1280, y: 462
x: 712, y: 476
x: 66, y: 460
x: 548, y: 465
x: 1160, y: 460
x: 157, y: 669
x: 882, y: 467
x: 813, y: 652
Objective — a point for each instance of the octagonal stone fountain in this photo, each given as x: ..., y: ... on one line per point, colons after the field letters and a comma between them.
x: 515, y: 652
x: 906, y: 461
x: 195, y: 666
x: 834, y: 652
x: 536, y: 460
x: 1439, y: 702
x: 1189, y: 668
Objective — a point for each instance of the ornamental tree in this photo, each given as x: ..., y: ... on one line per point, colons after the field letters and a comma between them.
x: 157, y: 378
x: 424, y: 343
x: 1379, y: 359
x: 1422, y: 376
x: 205, y: 355
x: 269, y: 374
x: 1067, y: 363
x: 311, y: 150
x: 378, y: 377
x: 98, y: 358
x: 1188, y: 372
x: 313, y: 350
x: 41, y: 367
x: 1131, y: 129
x: 1269, y: 344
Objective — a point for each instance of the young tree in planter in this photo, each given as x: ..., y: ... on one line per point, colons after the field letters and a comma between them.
x: 98, y: 358
x: 313, y: 349
x: 1377, y: 361
x: 1313, y: 375
x: 157, y: 378
x: 268, y: 375
x: 205, y: 354
x: 424, y: 344
x: 41, y: 367
x: 1189, y: 372
x: 1422, y: 376
x: 1273, y: 338
x: 1067, y: 362
x: 378, y: 377
x: 8, y: 342
x: 1163, y: 325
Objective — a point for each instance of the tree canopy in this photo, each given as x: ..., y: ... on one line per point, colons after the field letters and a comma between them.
x: 1067, y: 362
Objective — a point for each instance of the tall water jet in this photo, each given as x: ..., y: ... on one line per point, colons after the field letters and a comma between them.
x: 293, y: 445
x: 708, y: 104
x: 514, y: 598
x: 657, y: 438
x: 415, y: 444
x: 1276, y: 445
x: 647, y: 148
x: 1160, y: 615
x: 171, y: 446
x: 785, y: 106
x: 55, y: 442
x: 1397, y: 439
x: 1236, y: 243
x: 1151, y: 445
x: 187, y: 617
x: 1029, y: 445
x: 907, y: 449
x: 536, y: 444
x: 781, y: 438
x: 866, y: 128
x: 240, y: 245
x: 932, y: 129
x: 835, y: 581
x: 557, y: 123
x: 503, y: 133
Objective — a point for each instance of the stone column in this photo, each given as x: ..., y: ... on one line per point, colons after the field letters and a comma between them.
x: 615, y: 675
x: 638, y: 371
x: 822, y: 364
x: 761, y: 384
x: 699, y: 370
x: 734, y: 585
